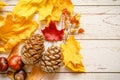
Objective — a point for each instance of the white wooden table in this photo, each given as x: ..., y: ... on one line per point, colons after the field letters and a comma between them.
x: 100, y: 42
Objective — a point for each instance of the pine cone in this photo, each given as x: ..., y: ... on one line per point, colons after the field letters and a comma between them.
x: 51, y: 60
x: 32, y: 49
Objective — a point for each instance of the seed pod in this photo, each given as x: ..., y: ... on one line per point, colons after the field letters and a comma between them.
x: 3, y: 64
x: 51, y: 60
x: 20, y: 75
x: 32, y: 50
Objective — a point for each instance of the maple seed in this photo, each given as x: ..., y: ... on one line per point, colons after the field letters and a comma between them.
x: 81, y: 30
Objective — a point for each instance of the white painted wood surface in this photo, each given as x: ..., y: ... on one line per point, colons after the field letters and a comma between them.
x: 80, y: 2
x: 100, y: 42
x: 84, y: 10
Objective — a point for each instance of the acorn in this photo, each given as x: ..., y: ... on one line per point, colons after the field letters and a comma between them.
x: 3, y: 64
x: 15, y: 62
x: 20, y: 75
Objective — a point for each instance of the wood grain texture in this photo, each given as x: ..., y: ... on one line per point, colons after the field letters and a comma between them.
x: 86, y: 76
x: 84, y: 10
x: 96, y: 2
x: 79, y: 2
x: 100, y: 43
x: 100, y: 55
x: 100, y: 27
x: 76, y: 76
x: 99, y: 22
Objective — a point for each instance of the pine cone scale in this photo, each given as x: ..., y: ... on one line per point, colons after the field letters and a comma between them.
x: 32, y: 50
x: 51, y: 60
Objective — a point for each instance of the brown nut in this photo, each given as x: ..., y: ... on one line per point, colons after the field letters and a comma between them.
x: 3, y: 64
x: 15, y: 62
x: 20, y: 75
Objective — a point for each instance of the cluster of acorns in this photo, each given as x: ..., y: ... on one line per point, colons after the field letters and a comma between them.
x: 33, y: 52
x: 14, y: 63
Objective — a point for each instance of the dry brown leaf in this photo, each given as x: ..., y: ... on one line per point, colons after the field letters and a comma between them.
x: 10, y: 74
x: 14, y: 51
x: 35, y: 74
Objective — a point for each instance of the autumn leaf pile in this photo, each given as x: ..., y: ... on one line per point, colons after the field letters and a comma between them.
x: 19, y: 25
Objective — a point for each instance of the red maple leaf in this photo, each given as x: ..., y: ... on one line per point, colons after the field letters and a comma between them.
x: 51, y: 33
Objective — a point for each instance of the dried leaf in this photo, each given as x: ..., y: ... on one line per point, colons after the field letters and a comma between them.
x: 47, y: 9
x: 10, y: 74
x: 51, y: 33
x: 2, y: 4
x: 71, y: 56
x: 57, y: 10
x: 1, y: 20
x: 71, y: 23
x: 75, y: 20
x: 14, y: 51
x: 35, y: 74
x: 15, y: 29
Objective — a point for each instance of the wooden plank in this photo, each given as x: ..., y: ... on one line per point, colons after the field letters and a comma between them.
x: 86, y: 76
x: 79, y: 2
x: 100, y: 27
x: 98, y: 55
x: 85, y: 10
x: 100, y: 42
x: 96, y: 2
x: 75, y: 76
x: 97, y: 10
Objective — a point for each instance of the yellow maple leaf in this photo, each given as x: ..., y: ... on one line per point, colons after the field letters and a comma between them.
x: 71, y: 56
x: 57, y: 10
x: 47, y: 9
x: 1, y: 20
x: 13, y: 30
x: 2, y: 4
